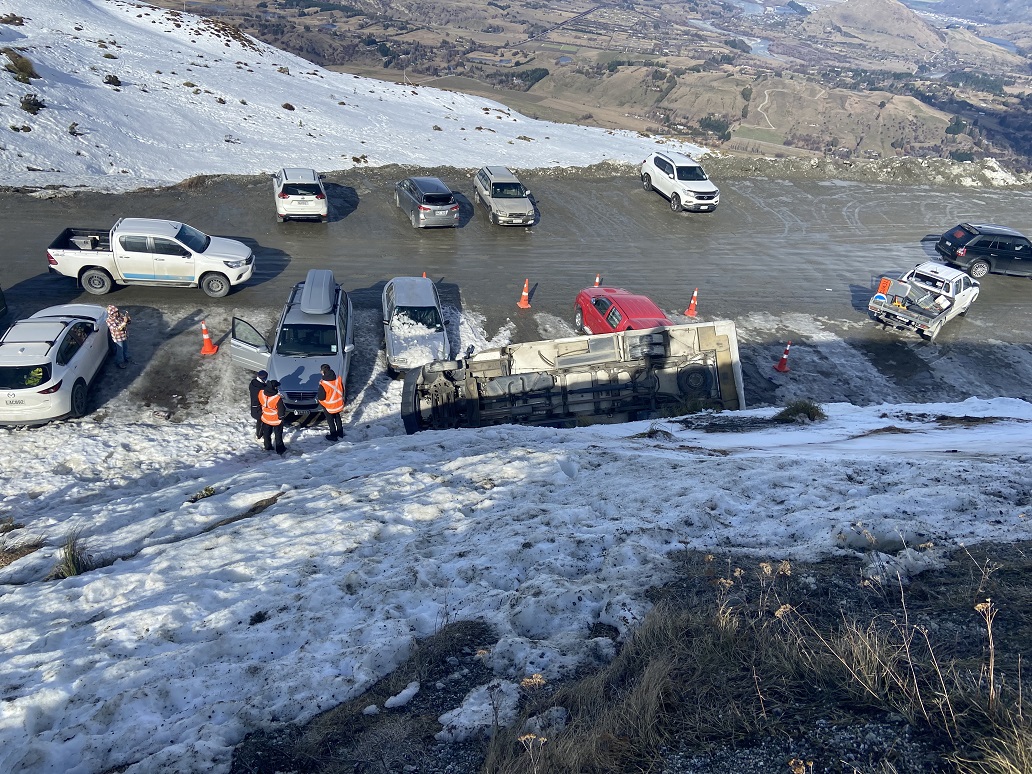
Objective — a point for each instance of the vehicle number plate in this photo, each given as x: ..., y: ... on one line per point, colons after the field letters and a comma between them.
x: 704, y: 207
x: 18, y: 402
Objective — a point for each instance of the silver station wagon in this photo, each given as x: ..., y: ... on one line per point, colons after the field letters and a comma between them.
x: 427, y: 202
x: 314, y: 328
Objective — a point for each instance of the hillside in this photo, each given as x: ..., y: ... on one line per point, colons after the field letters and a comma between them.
x: 119, y: 96
x: 885, y: 26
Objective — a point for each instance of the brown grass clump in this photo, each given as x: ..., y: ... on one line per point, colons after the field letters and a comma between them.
x: 19, y: 65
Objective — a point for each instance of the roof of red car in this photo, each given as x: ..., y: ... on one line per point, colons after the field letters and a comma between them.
x: 641, y: 309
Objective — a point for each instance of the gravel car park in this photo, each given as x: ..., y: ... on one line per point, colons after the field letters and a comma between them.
x: 49, y: 361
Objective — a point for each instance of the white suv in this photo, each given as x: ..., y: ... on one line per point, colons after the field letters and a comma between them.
x: 681, y: 180
x: 299, y: 194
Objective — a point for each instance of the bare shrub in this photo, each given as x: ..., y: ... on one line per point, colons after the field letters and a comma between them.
x: 800, y: 410
x: 31, y: 103
x: 19, y: 66
x: 112, y: 80
x: 287, y: 106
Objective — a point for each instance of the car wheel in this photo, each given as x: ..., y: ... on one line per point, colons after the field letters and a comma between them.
x: 694, y: 382
x: 280, y: 218
x: 646, y: 182
x: 476, y: 197
x: 397, y: 199
x: 933, y: 332
x: 80, y: 398
x: 214, y: 285
x: 96, y: 281
x: 979, y: 269
x: 494, y: 218
x: 414, y: 220
x: 675, y: 203
x: 578, y: 320
x: 410, y: 414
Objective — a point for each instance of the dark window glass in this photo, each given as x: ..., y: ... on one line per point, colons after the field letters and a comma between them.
x: 134, y: 244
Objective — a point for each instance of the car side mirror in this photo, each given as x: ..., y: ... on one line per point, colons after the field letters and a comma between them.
x: 349, y: 348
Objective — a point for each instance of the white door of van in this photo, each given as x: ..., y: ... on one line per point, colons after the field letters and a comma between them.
x: 247, y: 347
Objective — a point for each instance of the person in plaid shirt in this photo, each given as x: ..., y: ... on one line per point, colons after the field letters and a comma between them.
x: 118, y: 325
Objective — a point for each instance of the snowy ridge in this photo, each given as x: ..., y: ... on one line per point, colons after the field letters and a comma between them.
x: 158, y: 96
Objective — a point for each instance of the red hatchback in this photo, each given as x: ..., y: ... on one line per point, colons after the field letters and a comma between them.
x: 607, y: 310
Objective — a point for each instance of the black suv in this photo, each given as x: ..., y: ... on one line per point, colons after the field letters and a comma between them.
x: 980, y: 249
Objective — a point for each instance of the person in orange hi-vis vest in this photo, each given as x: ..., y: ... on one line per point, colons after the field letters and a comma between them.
x: 273, y: 414
x: 331, y: 398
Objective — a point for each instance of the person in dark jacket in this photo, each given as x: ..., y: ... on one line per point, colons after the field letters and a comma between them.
x: 256, y: 385
x: 331, y: 398
x: 273, y: 414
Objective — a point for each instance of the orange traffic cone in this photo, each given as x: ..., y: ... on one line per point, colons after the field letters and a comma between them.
x: 524, y: 302
x: 207, y: 348
x: 690, y: 311
x: 424, y: 275
x: 598, y: 280
x: 782, y: 365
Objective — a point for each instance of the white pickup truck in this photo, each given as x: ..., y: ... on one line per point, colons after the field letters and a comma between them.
x: 148, y: 251
x: 923, y: 299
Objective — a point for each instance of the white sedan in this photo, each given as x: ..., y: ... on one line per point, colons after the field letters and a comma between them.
x: 414, y: 330
x: 49, y: 361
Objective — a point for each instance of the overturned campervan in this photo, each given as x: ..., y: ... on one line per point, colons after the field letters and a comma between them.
x: 617, y: 377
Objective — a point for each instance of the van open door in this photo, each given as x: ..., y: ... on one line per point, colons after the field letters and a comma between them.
x: 247, y: 347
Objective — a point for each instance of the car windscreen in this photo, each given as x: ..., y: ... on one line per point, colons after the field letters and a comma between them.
x: 24, y: 376
x: 424, y: 316
x: 691, y: 173
x: 194, y: 239
x: 301, y: 189
x: 508, y: 191
x: 437, y: 200
x: 306, y: 339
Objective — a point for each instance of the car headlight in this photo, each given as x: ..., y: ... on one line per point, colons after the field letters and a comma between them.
x: 236, y: 264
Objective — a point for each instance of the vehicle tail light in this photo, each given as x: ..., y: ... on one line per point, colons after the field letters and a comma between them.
x: 453, y: 208
x: 51, y: 390
x: 961, y: 252
x: 284, y: 196
x: 51, y: 259
x: 424, y: 208
x: 320, y: 196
